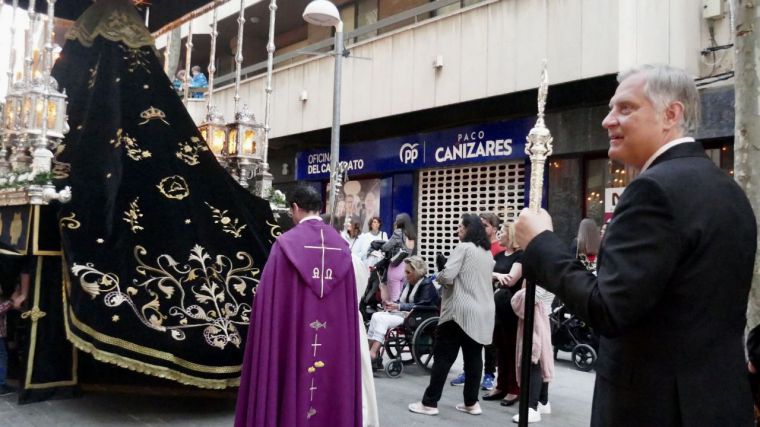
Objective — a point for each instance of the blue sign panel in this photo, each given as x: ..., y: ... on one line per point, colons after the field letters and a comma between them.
x: 468, y: 144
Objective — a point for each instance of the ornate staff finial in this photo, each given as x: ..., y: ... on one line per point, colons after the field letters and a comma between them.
x: 543, y: 90
x: 539, y: 145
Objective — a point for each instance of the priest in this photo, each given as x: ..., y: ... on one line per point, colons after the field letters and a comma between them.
x: 301, y: 365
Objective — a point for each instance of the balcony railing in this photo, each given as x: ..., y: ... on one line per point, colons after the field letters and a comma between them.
x: 326, y: 45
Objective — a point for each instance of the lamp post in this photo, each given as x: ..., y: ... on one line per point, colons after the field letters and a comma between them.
x: 325, y: 14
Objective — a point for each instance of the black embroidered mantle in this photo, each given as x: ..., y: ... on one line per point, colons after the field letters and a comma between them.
x: 162, y: 249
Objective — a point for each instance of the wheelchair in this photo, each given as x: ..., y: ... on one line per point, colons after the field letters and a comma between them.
x: 411, y: 342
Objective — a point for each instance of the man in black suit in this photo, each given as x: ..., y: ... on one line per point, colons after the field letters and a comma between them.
x: 674, y: 269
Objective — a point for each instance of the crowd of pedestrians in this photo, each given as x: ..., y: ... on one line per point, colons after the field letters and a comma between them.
x: 664, y: 284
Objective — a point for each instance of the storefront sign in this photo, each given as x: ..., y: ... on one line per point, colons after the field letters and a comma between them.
x: 468, y: 144
x: 611, y: 198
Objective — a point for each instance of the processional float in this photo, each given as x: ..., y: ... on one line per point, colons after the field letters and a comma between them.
x: 113, y: 199
x: 538, y: 149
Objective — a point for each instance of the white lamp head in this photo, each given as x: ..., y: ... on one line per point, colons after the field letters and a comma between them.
x: 322, y: 13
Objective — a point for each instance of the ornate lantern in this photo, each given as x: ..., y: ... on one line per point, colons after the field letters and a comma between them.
x: 244, y: 140
x: 214, y: 131
x: 35, y: 100
x: 12, y: 109
x: 57, y: 124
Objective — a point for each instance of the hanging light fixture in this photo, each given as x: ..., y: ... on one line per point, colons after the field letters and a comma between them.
x: 244, y: 139
x: 214, y: 131
x: 244, y: 135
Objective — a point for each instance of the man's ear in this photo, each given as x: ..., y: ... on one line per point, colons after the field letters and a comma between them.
x: 674, y: 114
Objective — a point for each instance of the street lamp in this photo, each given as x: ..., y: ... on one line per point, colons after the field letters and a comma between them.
x: 325, y: 14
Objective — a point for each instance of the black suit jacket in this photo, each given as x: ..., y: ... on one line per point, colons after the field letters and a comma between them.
x: 674, y: 274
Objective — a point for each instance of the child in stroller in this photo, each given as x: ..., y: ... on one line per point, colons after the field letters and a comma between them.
x: 571, y: 334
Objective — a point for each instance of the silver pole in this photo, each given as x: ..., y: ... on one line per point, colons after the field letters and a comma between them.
x: 239, y: 55
x: 539, y: 148
x: 212, y: 63
x: 47, y: 65
x: 29, y: 44
x: 188, y: 57
x: 335, y: 137
x: 268, y: 105
x: 12, y: 60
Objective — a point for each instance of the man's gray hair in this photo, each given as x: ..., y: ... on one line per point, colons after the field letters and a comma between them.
x: 665, y: 84
x: 418, y: 264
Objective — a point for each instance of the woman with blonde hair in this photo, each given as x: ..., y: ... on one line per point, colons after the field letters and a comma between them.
x: 507, y: 273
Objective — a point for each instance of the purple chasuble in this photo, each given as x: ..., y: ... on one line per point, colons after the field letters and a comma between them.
x: 301, y: 365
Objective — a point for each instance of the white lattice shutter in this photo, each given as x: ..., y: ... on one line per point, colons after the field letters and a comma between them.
x: 446, y: 194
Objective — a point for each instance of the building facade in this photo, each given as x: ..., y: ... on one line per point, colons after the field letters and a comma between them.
x: 438, y: 98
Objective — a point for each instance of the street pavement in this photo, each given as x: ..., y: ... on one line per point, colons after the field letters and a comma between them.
x: 570, y: 396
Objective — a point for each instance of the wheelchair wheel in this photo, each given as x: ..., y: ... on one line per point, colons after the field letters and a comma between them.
x: 422, y: 343
x: 394, y: 368
x: 394, y: 343
x: 584, y: 357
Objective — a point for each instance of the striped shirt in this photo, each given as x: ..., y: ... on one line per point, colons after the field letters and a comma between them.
x: 467, y: 292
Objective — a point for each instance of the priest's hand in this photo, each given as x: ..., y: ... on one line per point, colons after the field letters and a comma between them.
x: 530, y: 224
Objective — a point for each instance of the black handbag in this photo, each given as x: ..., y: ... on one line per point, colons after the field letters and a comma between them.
x: 399, y: 257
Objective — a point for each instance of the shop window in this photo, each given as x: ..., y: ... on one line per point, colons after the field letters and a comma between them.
x: 605, y: 180
x: 565, y: 198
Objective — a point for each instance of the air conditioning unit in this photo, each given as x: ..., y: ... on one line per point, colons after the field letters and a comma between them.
x: 712, y: 9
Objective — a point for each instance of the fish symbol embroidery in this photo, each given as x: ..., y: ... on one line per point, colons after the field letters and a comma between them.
x: 317, y: 325
x: 311, y: 413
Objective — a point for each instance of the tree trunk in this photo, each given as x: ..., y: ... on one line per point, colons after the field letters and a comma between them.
x: 747, y: 127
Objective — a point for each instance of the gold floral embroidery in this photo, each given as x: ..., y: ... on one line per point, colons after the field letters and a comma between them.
x: 174, y: 187
x: 203, y: 292
x: 132, y: 216
x: 153, y: 113
x: 93, y: 77
x: 274, y: 229
x: 61, y: 170
x: 136, y: 58
x: 115, y: 318
x: 229, y: 225
x: 188, y: 151
x: 130, y: 144
x: 69, y: 222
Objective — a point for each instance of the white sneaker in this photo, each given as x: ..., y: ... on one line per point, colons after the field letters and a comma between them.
x: 472, y: 410
x: 533, y: 416
x: 544, y: 409
x: 419, y: 408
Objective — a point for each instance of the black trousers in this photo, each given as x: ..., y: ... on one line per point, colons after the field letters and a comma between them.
x: 449, y: 339
x: 490, y: 359
x: 539, y: 390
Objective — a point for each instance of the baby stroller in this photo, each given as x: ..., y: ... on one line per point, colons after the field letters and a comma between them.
x: 571, y: 334
x: 371, y: 301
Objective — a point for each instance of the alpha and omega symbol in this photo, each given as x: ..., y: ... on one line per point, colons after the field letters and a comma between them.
x: 327, y: 276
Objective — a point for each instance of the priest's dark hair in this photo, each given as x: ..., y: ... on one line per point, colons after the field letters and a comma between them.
x: 306, y: 197
x: 475, y: 232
